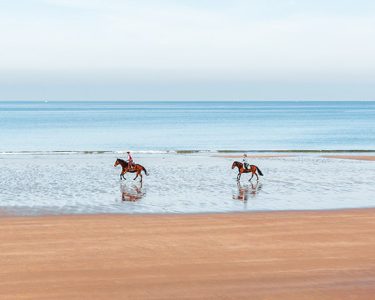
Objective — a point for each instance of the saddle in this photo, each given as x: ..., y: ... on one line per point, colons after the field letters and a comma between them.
x: 132, y: 167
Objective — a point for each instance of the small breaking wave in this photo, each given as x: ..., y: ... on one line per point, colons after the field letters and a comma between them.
x: 182, y: 151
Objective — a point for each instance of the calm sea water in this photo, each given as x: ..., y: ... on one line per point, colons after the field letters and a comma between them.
x: 43, y: 181
x: 159, y: 126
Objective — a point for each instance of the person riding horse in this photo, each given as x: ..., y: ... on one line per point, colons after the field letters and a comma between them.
x: 245, y: 167
x: 130, y: 161
x: 245, y: 162
x: 137, y: 168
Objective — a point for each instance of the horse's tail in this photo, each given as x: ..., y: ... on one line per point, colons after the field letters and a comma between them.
x: 144, y: 169
x: 259, y: 171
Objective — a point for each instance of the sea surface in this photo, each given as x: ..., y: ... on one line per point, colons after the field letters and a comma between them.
x: 57, y: 157
x: 161, y: 126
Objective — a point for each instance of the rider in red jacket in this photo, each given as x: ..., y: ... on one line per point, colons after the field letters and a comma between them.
x: 130, y: 160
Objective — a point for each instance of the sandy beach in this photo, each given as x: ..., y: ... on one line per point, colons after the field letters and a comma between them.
x: 355, y: 157
x: 278, y: 255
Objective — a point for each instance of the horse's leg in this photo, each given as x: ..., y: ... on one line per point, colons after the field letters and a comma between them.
x: 141, y: 176
x: 136, y: 175
x: 123, y: 173
x: 257, y: 176
x: 239, y: 176
x: 251, y: 176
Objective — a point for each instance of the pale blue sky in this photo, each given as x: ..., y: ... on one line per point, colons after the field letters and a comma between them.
x: 189, y: 50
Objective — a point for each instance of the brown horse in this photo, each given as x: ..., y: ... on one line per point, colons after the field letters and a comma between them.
x: 241, y: 169
x: 125, y: 168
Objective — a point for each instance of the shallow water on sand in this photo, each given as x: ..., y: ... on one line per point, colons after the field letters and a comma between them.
x: 193, y: 183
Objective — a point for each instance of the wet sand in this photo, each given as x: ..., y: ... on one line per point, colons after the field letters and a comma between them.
x: 355, y: 157
x: 256, y: 156
x: 279, y: 255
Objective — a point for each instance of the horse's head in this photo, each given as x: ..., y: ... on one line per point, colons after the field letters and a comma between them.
x: 236, y: 164
x: 116, y: 162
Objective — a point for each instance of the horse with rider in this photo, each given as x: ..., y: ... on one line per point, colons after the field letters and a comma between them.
x: 129, y: 166
x: 244, y: 167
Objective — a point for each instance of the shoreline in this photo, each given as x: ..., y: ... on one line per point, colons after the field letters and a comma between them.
x: 283, y: 255
x: 6, y: 215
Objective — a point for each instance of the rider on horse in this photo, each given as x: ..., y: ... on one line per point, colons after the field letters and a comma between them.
x: 130, y: 161
x: 245, y: 162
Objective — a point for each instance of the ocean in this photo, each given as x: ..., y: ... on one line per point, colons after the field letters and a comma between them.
x: 173, y: 126
x: 57, y: 157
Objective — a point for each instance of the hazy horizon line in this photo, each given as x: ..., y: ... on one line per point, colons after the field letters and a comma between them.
x: 193, y: 100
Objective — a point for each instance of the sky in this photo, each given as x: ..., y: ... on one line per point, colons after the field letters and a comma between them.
x: 187, y: 50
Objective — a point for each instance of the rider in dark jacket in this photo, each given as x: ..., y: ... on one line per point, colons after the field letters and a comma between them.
x: 244, y: 160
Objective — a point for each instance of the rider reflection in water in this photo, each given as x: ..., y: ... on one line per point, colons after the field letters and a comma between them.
x: 244, y: 191
x: 132, y: 193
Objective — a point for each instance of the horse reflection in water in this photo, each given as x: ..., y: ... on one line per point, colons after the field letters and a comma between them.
x: 132, y: 193
x: 246, y: 191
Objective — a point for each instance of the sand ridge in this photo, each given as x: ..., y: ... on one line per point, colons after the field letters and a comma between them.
x: 355, y: 157
x: 256, y: 156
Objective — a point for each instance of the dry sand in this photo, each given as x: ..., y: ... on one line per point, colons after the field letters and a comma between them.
x: 356, y: 157
x: 279, y: 255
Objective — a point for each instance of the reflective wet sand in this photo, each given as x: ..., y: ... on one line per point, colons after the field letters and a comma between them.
x: 180, y: 183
